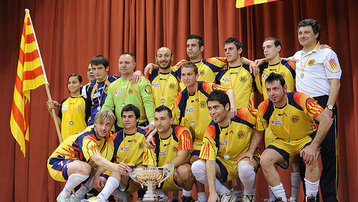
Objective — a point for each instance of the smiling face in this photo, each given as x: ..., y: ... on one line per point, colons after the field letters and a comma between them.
x: 126, y: 65
x: 217, y: 111
x: 164, y: 57
x: 306, y: 37
x: 277, y: 93
x: 129, y: 120
x: 102, y: 128
x: 162, y: 121
x: 73, y: 85
x: 188, y: 76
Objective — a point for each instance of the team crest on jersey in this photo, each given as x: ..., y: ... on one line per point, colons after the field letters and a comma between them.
x: 243, y: 79
x: 241, y: 134
x: 295, y: 118
x: 106, y: 90
x: 118, y: 93
x: 79, y: 107
x: 148, y: 89
x: 141, y: 146
x: 130, y: 91
x: 171, y: 86
x: 175, y: 149
x: 155, y: 85
x: 311, y: 62
x: 202, y: 73
x: 203, y: 104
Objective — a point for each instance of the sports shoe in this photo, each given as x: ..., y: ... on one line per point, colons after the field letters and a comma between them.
x: 74, y: 198
x: 248, y: 198
x: 292, y: 199
x: 311, y: 199
x: 164, y: 198
x: 127, y: 198
x: 93, y: 199
x: 62, y: 198
x: 278, y: 199
x: 187, y: 199
x: 228, y: 198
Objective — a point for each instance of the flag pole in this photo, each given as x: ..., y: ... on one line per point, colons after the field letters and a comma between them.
x: 46, y: 84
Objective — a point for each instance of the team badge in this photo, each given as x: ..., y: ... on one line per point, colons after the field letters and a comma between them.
x: 172, y: 86
x: 243, y: 79
x: 130, y: 91
x: 148, y: 89
x: 203, y: 104
x: 241, y: 134
x: 79, y: 107
x: 311, y: 62
x: 141, y: 146
x: 202, y: 73
x: 295, y: 118
x: 175, y: 149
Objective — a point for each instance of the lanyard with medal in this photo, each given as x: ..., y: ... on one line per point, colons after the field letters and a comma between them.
x: 303, y: 67
x: 100, y: 94
x: 192, y: 123
x: 227, y: 155
x: 160, y: 87
x: 73, y: 111
x: 288, y: 125
x: 237, y: 76
x: 123, y: 95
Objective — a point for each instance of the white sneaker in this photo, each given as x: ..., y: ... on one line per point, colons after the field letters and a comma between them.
x: 292, y: 199
x: 62, y: 198
x: 93, y: 199
x: 74, y: 198
x: 127, y: 198
x: 248, y: 198
x: 164, y: 198
x: 228, y: 198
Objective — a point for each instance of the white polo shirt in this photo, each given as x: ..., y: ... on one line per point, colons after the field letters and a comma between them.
x: 313, y: 69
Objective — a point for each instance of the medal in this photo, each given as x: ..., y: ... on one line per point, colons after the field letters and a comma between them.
x: 227, y: 156
x: 71, y: 123
x: 302, y: 75
x: 123, y: 105
x: 99, y: 108
x: 162, y: 100
x: 192, y: 124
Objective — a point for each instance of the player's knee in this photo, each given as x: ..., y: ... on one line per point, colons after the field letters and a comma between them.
x: 245, y: 170
x: 184, y: 172
x: 198, y: 169
x: 266, y: 161
x: 193, y: 159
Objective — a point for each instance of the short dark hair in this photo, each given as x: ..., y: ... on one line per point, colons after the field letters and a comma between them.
x: 275, y: 40
x: 191, y: 65
x: 275, y: 77
x: 220, y: 96
x: 313, y: 23
x: 133, y: 108
x: 194, y: 36
x: 79, y: 77
x: 237, y: 43
x: 164, y: 108
x: 126, y: 53
x: 99, y: 59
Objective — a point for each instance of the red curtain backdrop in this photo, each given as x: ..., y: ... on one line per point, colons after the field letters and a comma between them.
x: 70, y: 33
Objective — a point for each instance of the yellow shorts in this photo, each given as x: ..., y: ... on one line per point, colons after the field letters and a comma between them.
x: 269, y: 137
x: 288, y: 150
x: 170, y: 184
x: 57, y: 168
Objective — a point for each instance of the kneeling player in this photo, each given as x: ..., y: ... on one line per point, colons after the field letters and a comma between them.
x: 224, y: 141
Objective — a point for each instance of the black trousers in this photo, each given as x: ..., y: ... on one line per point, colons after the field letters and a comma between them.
x: 329, y: 175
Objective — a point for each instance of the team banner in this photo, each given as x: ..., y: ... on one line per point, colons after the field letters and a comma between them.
x: 30, y: 75
x: 244, y: 3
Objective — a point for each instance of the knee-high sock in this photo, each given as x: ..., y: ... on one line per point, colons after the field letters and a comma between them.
x: 72, y: 181
x: 111, y: 184
x: 279, y: 191
x: 311, y: 188
x: 247, y: 177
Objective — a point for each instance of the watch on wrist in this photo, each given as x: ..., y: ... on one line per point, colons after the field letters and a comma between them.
x: 330, y: 107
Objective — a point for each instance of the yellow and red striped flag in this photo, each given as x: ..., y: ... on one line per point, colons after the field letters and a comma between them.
x: 30, y: 75
x: 244, y: 3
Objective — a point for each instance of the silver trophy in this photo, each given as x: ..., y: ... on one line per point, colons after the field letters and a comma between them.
x: 151, y: 177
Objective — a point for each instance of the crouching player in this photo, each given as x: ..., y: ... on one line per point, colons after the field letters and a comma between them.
x: 127, y: 150
x: 224, y: 141
x: 172, y: 146
x: 72, y: 161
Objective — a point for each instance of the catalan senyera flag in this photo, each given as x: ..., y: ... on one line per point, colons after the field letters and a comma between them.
x: 244, y: 3
x: 30, y: 75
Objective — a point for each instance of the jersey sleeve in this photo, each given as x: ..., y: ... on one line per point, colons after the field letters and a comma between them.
x: 184, y: 137
x: 333, y: 68
x: 60, y: 111
x: 109, y: 102
x: 308, y: 104
x: 261, y: 123
x: 176, y: 110
x: 149, y: 157
x: 215, y: 63
x: 209, y: 149
x: 88, y: 109
x: 89, y: 147
x: 147, y: 98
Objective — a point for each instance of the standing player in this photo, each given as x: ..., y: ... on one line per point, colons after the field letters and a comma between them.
x: 124, y: 91
x: 172, y: 146
x: 128, y: 151
x: 291, y: 117
x: 90, y: 77
x: 165, y: 82
x: 272, y: 48
x: 73, y: 159
x: 318, y: 75
x: 225, y: 140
